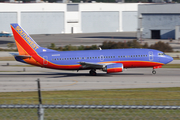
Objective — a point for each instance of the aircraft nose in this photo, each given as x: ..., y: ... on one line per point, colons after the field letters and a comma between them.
x: 169, y: 59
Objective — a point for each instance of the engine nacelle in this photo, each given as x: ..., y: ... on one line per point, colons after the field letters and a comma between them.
x: 113, y: 68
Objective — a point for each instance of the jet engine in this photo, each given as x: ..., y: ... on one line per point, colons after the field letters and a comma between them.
x: 113, y: 68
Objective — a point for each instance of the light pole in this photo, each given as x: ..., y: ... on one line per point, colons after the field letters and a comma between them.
x: 140, y: 27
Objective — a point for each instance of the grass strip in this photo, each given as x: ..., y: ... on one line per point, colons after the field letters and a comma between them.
x: 150, y: 96
x: 171, y: 66
x: 90, y: 114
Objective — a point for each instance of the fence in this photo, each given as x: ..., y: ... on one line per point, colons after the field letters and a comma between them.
x: 92, y: 105
x: 88, y: 109
x: 81, y: 112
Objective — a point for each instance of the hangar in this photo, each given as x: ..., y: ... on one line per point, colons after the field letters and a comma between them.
x: 57, y: 18
x: 159, y: 21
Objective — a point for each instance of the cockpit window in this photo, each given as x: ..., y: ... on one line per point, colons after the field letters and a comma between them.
x: 161, y: 54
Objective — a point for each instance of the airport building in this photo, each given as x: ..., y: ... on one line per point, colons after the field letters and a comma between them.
x: 57, y: 18
x: 159, y: 21
x: 155, y: 21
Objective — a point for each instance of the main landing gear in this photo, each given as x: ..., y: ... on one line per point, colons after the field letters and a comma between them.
x: 153, y: 72
x: 93, y: 72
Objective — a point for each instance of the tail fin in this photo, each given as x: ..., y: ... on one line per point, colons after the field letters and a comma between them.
x: 25, y: 44
x: 28, y: 49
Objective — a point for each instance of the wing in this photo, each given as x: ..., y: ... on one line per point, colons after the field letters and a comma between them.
x: 93, y: 65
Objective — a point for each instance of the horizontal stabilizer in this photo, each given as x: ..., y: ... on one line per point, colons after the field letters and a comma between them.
x: 21, y: 56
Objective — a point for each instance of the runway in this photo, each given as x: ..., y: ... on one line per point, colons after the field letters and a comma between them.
x: 51, y: 80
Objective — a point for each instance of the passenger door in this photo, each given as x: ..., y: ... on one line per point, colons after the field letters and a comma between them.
x: 150, y: 56
x: 45, y: 60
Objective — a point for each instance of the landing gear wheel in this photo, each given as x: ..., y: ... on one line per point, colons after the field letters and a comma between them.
x: 92, y: 72
x: 153, y: 72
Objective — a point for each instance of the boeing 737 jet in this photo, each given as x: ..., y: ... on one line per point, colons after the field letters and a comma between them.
x: 109, y: 60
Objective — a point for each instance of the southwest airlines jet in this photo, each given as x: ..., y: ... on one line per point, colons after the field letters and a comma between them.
x: 109, y: 61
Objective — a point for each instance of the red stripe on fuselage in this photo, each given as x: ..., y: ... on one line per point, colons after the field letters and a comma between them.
x: 133, y: 64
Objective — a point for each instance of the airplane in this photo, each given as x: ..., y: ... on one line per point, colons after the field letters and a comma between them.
x: 107, y: 60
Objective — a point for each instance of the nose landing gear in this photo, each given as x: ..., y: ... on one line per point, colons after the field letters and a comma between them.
x: 92, y: 72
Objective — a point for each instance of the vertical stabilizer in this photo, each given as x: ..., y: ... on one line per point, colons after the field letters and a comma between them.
x: 28, y: 49
x: 25, y: 44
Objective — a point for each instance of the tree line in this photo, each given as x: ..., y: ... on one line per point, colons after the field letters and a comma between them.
x: 165, y: 47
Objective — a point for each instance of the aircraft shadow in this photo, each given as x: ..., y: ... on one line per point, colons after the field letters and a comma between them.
x: 61, y: 75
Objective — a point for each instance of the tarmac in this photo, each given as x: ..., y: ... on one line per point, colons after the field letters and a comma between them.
x: 15, y: 78
x: 24, y: 79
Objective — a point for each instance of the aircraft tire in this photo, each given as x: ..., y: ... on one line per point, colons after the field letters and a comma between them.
x: 153, y: 72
